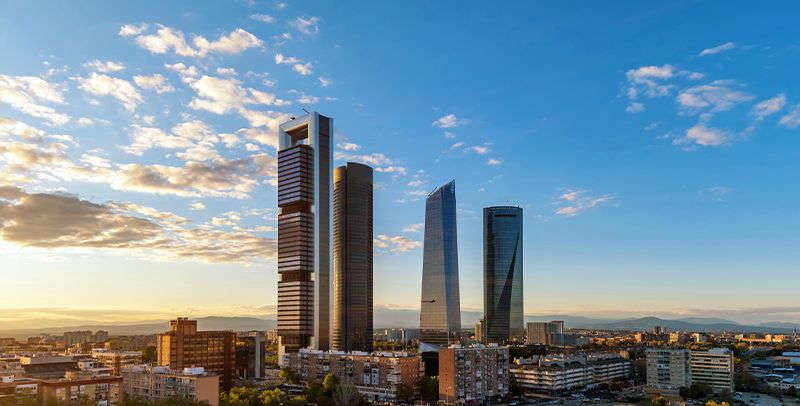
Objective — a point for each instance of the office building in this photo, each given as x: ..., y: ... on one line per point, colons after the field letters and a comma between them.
x: 251, y: 347
x: 352, y: 258
x: 183, y: 347
x: 375, y: 375
x: 305, y: 159
x: 440, y: 314
x: 668, y: 370
x: 560, y: 373
x: 714, y: 368
x: 545, y: 333
x: 502, y: 273
x: 473, y: 375
x: 115, y: 359
x: 160, y: 383
x: 399, y: 335
x: 47, y: 366
x: 101, y: 390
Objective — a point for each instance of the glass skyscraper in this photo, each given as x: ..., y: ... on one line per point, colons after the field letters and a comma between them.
x: 305, y: 166
x: 502, y: 273
x: 440, y: 315
x: 352, y: 258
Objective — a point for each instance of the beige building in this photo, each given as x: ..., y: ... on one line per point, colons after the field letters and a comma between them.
x: 375, y: 375
x: 474, y: 374
x: 713, y: 367
x: 562, y: 373
x: 154, y: 383
x: 545, y: 333
x: 115, y: 360
x: 668, y: 370
x: 102, y: 390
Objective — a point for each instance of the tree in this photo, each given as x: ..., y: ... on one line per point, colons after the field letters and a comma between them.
x: 239, y: 396
x: 149, y: 355
x: 271, y: 397
x: 296, y: 401
x: 330, y: 383
x: 346, y: 394
x: 314, y: 390
x: 404, y: 393
x: 289, y: 376
x: 429, y: 388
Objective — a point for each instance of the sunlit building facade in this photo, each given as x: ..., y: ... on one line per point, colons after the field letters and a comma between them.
x: 440, y: 315
x: 352, y: 258
x: 305, y: 157
x: 502, y: 273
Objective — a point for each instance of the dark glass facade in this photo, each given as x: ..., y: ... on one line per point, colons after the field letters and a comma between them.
x: 352, y: 258
x: 502, y: 273
x: 304, y: 232
x: 440, y: 314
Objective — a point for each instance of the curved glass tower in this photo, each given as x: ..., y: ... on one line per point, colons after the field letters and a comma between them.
x: 440, y: 314
x: 502, y: 273
x: 352, y: 258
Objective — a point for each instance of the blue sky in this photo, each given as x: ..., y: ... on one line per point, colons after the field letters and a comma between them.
x: 654, y: 147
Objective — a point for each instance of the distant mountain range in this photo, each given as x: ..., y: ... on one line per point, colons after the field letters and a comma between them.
x: 409, y: 318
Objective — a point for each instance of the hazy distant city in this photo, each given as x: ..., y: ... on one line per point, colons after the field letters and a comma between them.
x: 264, y: 203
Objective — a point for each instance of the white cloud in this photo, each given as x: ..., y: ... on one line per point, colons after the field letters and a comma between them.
x: 716, y: 193
x: 85, y: 121
x: 308, y: 99
x: 396, y: 243
x: 448, y: 135
x: 449, y: 121
x: 769, y: 106
x: 324, y: 82
x: 494, y: 162
x: 188, y: 74
x: 414, y: 228
x: 573, y: 202
x: 348, y: 146
x: 478, y: 149
x: 195, y: 206
x: 728, y: 46
x: 264, y: 18
x: 716, y: 96
x: 304, y: 69
x: 635, y: 107
x: 188, y: 134
x: 155, y: 82
x: 307, y: 26
x: 26, y: 93
x: 104, y: 85
x: 168, y: 39
x: 400, y: 170
x: 129, y: 30
x: 105, y: 66
x: 791, y: 119
x: 221, y: 95
x: 704, y: 136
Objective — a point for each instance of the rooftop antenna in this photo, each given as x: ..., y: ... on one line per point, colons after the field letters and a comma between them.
x: 304, y: 109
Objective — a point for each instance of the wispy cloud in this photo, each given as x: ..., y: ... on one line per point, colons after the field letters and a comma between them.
x: 576, y: 201
x: 728, y: 46
x: 449, y: 121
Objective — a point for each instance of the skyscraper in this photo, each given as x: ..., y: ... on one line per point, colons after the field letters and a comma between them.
x: 305, y: 157
x: 502, y: 273
x: 440, y: 314
x: 352, y: 258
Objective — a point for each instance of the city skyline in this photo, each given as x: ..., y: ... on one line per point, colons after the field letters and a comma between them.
x: 651, y: 159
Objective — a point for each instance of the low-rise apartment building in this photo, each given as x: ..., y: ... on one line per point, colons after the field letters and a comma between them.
x: 101, y: 390
x: 669, y: 369
x: 155, y: 383
x: 561, y: 373
x: 474, y: 374
x: 376, y: 375
x: 115, y: 360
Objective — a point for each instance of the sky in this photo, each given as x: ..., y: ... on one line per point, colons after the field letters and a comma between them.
x: 654, y: 147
